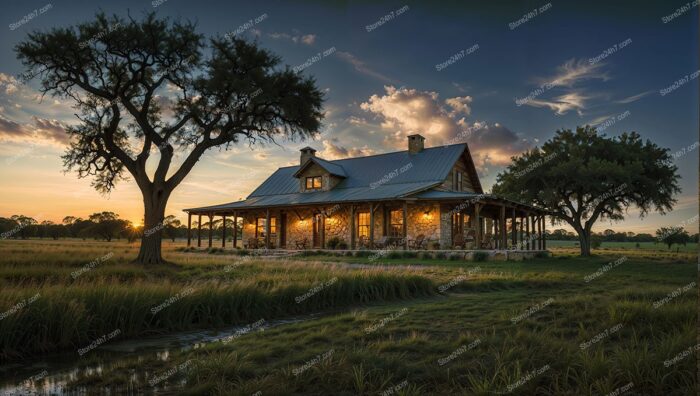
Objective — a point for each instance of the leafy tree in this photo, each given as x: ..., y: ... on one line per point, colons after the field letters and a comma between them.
x: 581, y: 177
x: 224, y: 92
x: 171, y: 225
x: 673, y: 235
x: 25, y: 226
x: 106, y: 225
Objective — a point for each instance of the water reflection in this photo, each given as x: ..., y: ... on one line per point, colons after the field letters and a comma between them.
x: 50, y: 375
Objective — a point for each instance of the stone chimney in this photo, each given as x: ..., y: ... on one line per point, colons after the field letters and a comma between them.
x: 306, y: 153
x: 415, y: 143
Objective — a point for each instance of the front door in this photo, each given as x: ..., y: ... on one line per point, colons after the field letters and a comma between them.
x: 318, y: 231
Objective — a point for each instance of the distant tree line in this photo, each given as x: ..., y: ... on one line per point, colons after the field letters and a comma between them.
x: 667, y: 235
x: 105, y: 226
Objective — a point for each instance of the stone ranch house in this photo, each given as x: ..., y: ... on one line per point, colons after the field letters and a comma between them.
x: 419, y: 198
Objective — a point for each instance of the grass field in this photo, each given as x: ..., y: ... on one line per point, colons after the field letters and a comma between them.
x: 690, y: 247
x: 623, y: 320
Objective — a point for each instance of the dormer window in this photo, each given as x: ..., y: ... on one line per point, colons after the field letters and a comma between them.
x: 314, y: 183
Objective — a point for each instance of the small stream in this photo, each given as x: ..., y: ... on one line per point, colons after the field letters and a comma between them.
x: 50, y: 374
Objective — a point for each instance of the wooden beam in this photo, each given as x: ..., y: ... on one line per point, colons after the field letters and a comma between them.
x: 223, y: 230
x: 504, y: 231
x: 539, y: 233
x: 235, y: 229
x: 371, y: 225
x: 522, y: 233
x: 189, y: 229
x: 477, y: 224
x: 544, y: 233
x: 211, y: 225
x: 267, y: 229
x: 527, y: 231
x: 514, y: 229
x: 405, y: 225
x: 199, y: 231
x: 352, y: 226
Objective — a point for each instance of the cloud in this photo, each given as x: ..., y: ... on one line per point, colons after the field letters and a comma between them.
x: 308, y: 39
x: 633, y: 98
x: 295, y: 37
x: 573, y: 72
x: 567, y: 78
x: 361, y: 67
x: 332, y: 150
x: 460, y: 104
x: 562, y: 104
x: 405, y: 111
x: 40, y: 131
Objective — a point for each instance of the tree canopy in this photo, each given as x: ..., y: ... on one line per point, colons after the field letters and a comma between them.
x: 582, y: 176
x: 157, y: 86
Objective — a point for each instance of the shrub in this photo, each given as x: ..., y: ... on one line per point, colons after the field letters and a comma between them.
x: 410, y: 254
x: 425, y: 255
x: 441, y: 255
x: 454, y: 256
x: 480, y: 256
x: 394, y: 255
x: 435, y: 245
x: 333, y: 243
x: 342, y: 245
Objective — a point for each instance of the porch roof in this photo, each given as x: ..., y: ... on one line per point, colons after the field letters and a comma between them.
x: 393, y: 192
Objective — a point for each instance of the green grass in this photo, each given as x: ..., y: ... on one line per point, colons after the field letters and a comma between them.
x: 690, y: 247
x: 421, y: 325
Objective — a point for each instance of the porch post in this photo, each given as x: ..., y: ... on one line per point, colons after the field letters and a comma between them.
x: 352, y: 227
x: 513, y: 229
x: 527, y: 231
x: 267, y: 229
x: 504, y: 231
x: 235, y: 229
x: 199, y: 231
x: 189, y: 229
x: 522, y: 233
x: 405, y: 225
x: 223, y: 233
x: 544, y: 233
x: 539, y: 232
x: 495, y: 234
x: 211, y: 225
x: 477, y: 222
x: 371, y: 225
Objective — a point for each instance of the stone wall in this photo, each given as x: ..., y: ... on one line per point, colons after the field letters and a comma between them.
x: 422, y: 219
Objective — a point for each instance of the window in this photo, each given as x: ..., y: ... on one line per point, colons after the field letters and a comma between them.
x: 314, y: 183
x: 396, y: 223
x: 457, y: 183
x: 260, y: 227
x: 363, y: 224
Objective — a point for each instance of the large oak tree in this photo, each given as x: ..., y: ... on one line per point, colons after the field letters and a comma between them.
x: 582, y: 176
x: 153, y: 87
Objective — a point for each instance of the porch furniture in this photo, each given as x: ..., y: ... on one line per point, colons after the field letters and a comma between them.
x: 301, y: 245
x: 417, y: 243
x: 458, y: 241
x: 487, y: 243
x: 363, y: 242
x: 383, y: 242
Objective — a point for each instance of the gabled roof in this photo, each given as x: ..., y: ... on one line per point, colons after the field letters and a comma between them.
x: 372, y: 178
x: 333, y: 169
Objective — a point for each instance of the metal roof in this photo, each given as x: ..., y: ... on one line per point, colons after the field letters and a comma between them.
x: 333, y: 169
x: 398, y: 175
x: 375, y: 177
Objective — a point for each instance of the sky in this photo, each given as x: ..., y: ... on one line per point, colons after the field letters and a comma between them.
x: 511, y: 73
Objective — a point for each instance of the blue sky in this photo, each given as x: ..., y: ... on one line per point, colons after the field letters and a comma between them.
x: 382, y: 84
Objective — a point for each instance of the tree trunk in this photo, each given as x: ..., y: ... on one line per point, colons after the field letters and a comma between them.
x: 150, y: 252
x: 585, y: 242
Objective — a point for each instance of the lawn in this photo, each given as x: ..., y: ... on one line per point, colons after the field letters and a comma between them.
x: 623, y: 320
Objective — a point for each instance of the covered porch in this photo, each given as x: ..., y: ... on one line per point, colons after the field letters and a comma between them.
x: 438, y: 221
